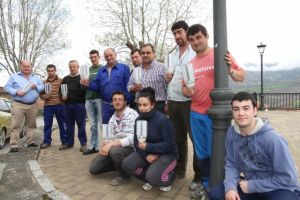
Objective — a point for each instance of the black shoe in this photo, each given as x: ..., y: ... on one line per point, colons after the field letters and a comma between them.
x: 14, y: 150
x: 33, y: 145
x: 64, y: 147
x: 45, y: 146
x: 90, y: 151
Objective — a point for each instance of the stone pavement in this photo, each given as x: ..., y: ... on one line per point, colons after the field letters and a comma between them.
x: 68, y: 169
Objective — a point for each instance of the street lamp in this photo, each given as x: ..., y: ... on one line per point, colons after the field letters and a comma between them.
x: 261, y: 48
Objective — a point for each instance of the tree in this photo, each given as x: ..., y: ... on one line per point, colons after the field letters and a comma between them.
x: 30, y: 30
x: 131, y: 23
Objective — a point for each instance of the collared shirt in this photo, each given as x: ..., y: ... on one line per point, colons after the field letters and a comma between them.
x: 177, y: 64
x: 107, y: 83
x: 54, y: 97
x: 18, y: 82
x: 123, y: 128
x: 153, y: 77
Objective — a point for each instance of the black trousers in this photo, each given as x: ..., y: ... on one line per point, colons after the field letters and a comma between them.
x: 159, y: 173
x: 179, y: 114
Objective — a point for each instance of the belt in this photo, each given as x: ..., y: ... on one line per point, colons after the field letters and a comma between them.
x: 25, y: 103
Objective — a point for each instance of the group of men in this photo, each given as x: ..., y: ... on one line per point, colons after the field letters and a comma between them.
x: 103, y: 96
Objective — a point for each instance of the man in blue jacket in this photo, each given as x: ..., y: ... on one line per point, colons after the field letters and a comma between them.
x: 258, y: 162
x: 113, y: 77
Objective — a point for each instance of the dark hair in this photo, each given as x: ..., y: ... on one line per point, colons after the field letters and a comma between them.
x: 51, y: 66
x: 94, y: 52
x: 180, y: 24
x: 118, y: 93
x: 135, y: 50
x: 149, y: 93
x: 244, y: 96
x: 148, y: 45
x: 196, y: 28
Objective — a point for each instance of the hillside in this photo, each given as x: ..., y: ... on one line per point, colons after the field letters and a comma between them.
x: 285, y: 81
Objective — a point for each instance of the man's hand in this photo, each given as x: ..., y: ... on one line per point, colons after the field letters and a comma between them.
x: 244, y: 186
x: 186, y: 91
x: 105, y: 149
x: 84, y: 82
x: 232, y: 195
x: 45, y: 96
x: 142, y: 145
x: 64, y: 98
x: 136, y: 88
x: 151, y: 158
x: 230, y: 62
x: 168, y: 77
x: 33, y: 86
x: 20, y: 93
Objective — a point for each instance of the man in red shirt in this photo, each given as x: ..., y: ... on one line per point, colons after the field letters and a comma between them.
x: 201, y: 123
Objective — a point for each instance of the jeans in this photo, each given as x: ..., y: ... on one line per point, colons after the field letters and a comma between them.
x: 75, y: 112
x: 218, y: 193
x: 107, y: 111
x: 49, y: 112
x: 93, y: 109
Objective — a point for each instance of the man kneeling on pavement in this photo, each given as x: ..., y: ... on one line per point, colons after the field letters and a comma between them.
x: 113, y: 152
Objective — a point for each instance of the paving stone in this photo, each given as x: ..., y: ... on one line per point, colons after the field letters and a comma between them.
x: 68, y: 170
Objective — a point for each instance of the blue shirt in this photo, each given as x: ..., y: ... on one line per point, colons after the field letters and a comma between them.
x: 18, y: 82
x: 108, y: 82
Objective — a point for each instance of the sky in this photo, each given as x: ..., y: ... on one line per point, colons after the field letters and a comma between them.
x: 249, y: 22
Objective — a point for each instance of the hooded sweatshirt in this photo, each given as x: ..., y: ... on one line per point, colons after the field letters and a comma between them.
x: 160, y: 135
x: 262, y: 156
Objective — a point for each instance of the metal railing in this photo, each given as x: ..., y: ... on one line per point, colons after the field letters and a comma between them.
x: 280, y: 101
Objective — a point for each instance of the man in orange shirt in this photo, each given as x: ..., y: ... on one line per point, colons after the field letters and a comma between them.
x: 201, y: 123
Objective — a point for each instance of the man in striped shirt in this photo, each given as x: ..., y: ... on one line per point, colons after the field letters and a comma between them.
x: 113, y: 152
x: 53, y: 106
x: 178, y: 105
x: 153, y: 73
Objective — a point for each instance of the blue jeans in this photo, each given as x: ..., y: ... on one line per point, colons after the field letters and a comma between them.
x: 75, y: 112
x: 93, y: 109
x: 49, y: 112
x: 218, y: 193
x: 107, y: 111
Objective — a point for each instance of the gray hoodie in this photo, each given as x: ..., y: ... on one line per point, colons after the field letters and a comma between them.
x: 262, y: 157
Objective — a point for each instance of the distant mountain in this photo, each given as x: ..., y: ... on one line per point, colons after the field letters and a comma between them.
x: 282, y: 81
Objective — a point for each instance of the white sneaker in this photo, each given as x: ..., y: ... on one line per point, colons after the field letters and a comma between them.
x: 165, y: 189
x: 147, y: 186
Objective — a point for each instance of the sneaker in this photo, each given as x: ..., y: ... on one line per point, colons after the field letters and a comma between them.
x: 119, y: 180
x: 64, y: 147
x: 90, y: 151
x: 83, y: 148
x: 14, y: 150
x: 147, y: 186
x: 195, y: 185
x: 165, y: 188
x: 44, y: 146
x: 199, y: 194
x: 33, y: 145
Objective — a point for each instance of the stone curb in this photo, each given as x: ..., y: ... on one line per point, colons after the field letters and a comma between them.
x: 2, y: 166
x: 44, y: 182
